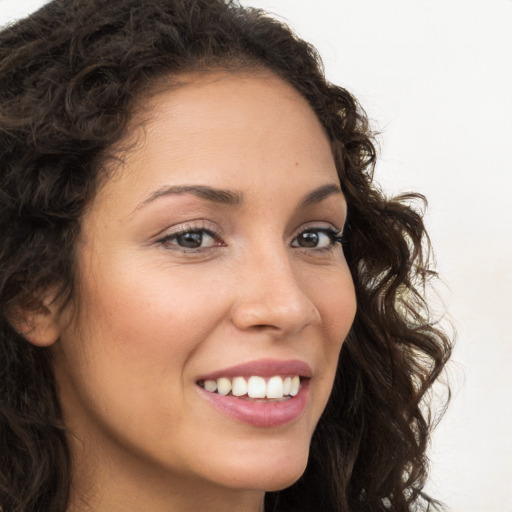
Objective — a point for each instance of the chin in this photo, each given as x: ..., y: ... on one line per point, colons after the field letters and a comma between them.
x: 273, y: 474
x: 283, y: 481
x: 273, y: 481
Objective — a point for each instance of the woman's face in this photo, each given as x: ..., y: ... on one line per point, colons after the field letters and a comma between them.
x: 210, y: 255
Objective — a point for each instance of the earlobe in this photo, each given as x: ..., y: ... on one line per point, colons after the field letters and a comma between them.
x: 38, y: 325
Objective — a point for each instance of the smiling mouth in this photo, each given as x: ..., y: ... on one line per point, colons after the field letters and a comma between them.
x: 254, y: 388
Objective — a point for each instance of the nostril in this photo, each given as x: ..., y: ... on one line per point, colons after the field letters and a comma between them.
x: 262, y: 327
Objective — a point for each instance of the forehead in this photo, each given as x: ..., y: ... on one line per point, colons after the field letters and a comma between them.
x: 225, y: 128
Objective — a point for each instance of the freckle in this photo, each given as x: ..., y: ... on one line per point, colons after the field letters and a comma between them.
x: 296, y: 164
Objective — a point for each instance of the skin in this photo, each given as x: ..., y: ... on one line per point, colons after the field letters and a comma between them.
x: 154, y: 316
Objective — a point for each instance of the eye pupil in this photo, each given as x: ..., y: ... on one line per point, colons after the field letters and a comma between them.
x: 191, y: 240
x: 309, y: 239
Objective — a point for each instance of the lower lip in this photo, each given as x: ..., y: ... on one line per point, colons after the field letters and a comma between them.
x: 261, y: 414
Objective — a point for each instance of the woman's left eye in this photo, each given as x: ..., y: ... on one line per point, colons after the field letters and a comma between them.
x: 317, y: 238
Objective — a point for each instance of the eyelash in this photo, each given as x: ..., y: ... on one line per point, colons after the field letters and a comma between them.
x: 187, y: 229
x: 335, y: 237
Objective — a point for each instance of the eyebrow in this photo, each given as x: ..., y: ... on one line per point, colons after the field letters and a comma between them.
x: 216, y: 195
x: 234, y: 198
x: 320, y: 194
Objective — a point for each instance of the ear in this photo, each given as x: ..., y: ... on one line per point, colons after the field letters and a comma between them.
x: 39, y: 324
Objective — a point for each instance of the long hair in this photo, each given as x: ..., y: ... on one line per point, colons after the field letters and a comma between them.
x: 71, y: 76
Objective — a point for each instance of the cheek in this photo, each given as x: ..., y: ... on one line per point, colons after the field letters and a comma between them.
x: 136, y: 331
x: 336, y: 301
x: 123, y: 364
x: 149, y: 319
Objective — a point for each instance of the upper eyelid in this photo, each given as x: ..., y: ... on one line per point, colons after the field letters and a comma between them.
x: 192, y: 229
x: 186, y: 228
x: 316, y: 226
x: 176, y: 234
x: 191, y: 226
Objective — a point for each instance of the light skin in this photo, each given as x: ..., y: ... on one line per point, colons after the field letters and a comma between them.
x: 266, y: 279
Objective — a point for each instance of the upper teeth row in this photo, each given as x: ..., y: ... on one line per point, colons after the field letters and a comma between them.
x: 255, y: 387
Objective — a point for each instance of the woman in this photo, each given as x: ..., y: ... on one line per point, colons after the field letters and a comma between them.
x: 206, y: 304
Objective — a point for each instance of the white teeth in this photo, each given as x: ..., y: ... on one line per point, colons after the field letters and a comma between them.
x: 223, y: 386
x: 256, y: 387
x: 295, y: 385
x: 286, y: 385
x: 210, y: 385
x: 275, y: 387
x: 239, y: 386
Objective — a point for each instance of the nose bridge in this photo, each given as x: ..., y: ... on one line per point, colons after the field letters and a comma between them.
x: 270, y: 293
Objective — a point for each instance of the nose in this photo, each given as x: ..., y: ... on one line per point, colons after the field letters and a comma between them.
x: 270, y: 296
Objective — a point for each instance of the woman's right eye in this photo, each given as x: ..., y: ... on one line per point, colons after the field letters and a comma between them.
x: 191, y: 239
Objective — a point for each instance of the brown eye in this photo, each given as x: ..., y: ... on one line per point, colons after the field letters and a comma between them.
x: 317, y: 238
x: 192, y: 240
x: 308, y: 239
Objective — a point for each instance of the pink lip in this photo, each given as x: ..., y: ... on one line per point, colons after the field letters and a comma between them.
x: 263, y: 368
x: 262, y: 414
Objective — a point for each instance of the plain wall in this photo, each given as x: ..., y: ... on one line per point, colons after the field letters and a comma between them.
x: 435, y: 76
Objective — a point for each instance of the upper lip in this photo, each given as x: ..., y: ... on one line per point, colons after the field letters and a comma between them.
x: 263, y: 368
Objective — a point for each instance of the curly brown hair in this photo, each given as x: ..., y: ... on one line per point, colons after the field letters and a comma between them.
x: 70, y: 77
